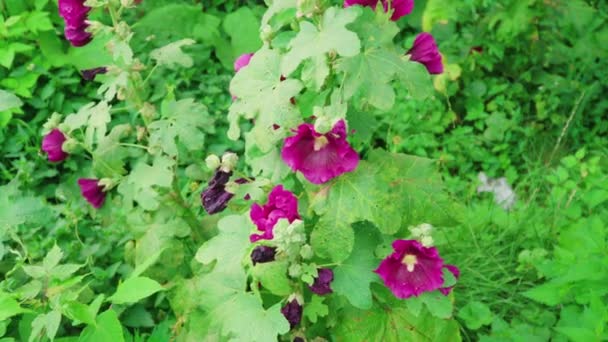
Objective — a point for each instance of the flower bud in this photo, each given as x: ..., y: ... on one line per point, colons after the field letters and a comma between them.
x: 107, y: 184
x: 213, y: 162
x: 306, y: 252
x: 427, y: 241
x: 323, y: 124
x: 70, y: 145
x: 229, y: 161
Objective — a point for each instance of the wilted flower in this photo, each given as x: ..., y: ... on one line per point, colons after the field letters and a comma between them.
x: 401, y: 7
x: 320, y: 157
x: 74, y: 14
x: 456, y: 272
x: 425, y: 51
x: 92, y: 191
x: 89, y: 74
x: 52, y: 143
x: 411, y: 269
x: 215, y: 197
x: 262, y: 254
x: 292, y: 312
x: 321, y: 285
x: 242, y: 61
x: 281, y: 204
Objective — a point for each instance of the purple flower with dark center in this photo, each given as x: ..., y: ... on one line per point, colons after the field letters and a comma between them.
x: 292, y: 312
x: 411, y: 269
x: 281, y: 204
x: 425, y: 51
x: 321, y: 285
x: 52, y: 143
x: 456, y: 272
x: 262, y: 254
x: 242, y: 61
x: 400, y: 8
x: 74, y: 14
x: 89, y: 74
x: 320, y: 157
x: 92, y: 191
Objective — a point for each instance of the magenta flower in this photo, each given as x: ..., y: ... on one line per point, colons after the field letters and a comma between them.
x: 320, y: 157
x: 400, y: 7
x: 92, y: 191
x: 52, y: 143
x: 262, y: 254
x: 281, y: 204
x: 321, y: 285
x: 74, y: 14
x: 242, y: 61
x: 456, y: 272
x: 411, y: 269
x: 292, y: 312
x: 425, y: 51
x: 89, y: 74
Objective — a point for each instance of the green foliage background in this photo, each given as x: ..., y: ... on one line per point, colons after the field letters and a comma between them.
x: 522, y: 97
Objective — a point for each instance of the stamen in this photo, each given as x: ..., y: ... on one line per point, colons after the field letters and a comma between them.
x: 409, y: 260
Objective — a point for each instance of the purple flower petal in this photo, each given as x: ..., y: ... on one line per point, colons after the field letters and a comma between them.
x: 320, y: 157
x: 74, y: 14
x: 321, y: 285
x: 242, y: 61
x: 425, y: 51
x: 52, y: 143
x: 89, y: 74
x: 281, y: 204
x: 411, y: 269
x: 92, y: 191
x: 262, y: 254
x: 215, y: 197
x: 292, y: 312
x: 456, y: 272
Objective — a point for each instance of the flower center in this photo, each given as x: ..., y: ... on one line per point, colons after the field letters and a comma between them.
x: 320, y: 143
x: 409, y: 260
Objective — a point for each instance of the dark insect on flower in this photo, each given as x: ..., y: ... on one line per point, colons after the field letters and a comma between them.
x: 92, y: 191
x: 262, y: 254
x: 89, y: 74
x: 292, y: 312
x: 52, y: 144
x: 321, y: 285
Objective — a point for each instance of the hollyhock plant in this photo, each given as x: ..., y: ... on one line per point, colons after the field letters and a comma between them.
x: 89, y: 74
x: 292, y: 312
x: 74, y: 14
x: 400, y: 7
x: 321, y: 285
x: 281, y: 204
x: 52, y: 144
x: 456, y: 272
x: 425, y: 51
x: 320, y: 157
x: 411, y: 269
x: 262, y: 254
x: 92, y: 191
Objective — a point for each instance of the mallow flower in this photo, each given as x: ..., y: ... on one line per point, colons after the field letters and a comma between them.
x: 411, y: 269
x: 425, y: 51
x: 89, y: 74
x: 281, y: 204
x: 263, y: 254
x: 92, y: 191
x: 242, y: 61
x: 400, y: 7
x: 322, y: 282
x: 52, y: 145
x: 215, y: 197
x: 320, y: 157
x: 292, y: 312
x: 74, y: 14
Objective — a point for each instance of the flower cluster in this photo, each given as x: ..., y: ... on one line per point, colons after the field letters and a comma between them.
x: 281, y: 204
x: 74, y: 14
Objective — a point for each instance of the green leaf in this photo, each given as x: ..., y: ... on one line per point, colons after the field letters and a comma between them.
x: 273, y: 276
x: 49, y: 323
x: 135, y: 289
x: 438, y: 305
x: 184, y: 121
x: 415, y: 77
x: 9, y: 307
x: 243, y: 28
x: 52, y: 258
x: 475, y: 315
x: 171, y: 55
x: 109, y: 156
x: 79, y: 312
x: 140, y: 186
x: 9, y: 101
x: 353, y: 277
x: 332, y: 36
x: 316, y: 308
x: 107, y: 328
